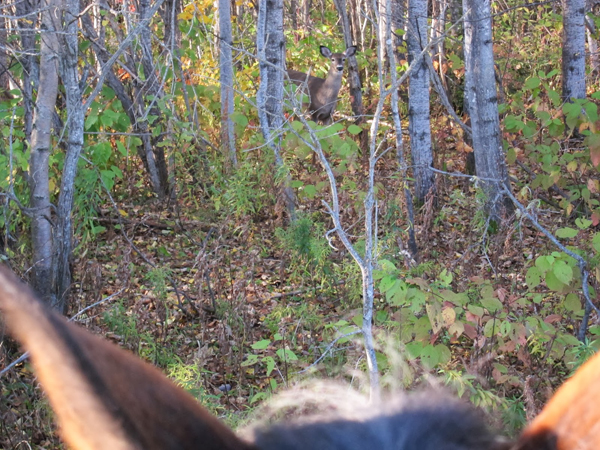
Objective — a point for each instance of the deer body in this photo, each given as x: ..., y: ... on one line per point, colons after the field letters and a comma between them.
x: 323, y: 93
x: 107, y: 399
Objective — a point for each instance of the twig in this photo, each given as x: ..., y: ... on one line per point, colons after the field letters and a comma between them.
x: 328, y: 349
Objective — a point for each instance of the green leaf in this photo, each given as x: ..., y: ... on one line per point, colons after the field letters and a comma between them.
x: 270, y: 362
x: 387, y: 283
x: 445, y: 277
x: 513, y: 123
x: 122, y: 149
x: 250, y: 360
x: 532, y: 83
x: 422, y: 328
x: 572, y: 303
x: 563, y: 272
x: 90, y: 121
x: 108, y: 178
x: 413, y: 349
x: 491, y: 327
x: 566, y: 232
x: 354, y: 129
x: 533, y: 277
x: 554, y: 97
x: 97, y: 229
x: 460, y: 299
x: 511, y: 155
x: 596, y: 242
x: 553, y: 282
x: 285, y: 354
x: 544, y: 263
x: 583, y: 223
x: 417, y: 299
x: 310, y: 190
x: 491, y: 304
x: 476, y: 310
x: 261, y: 345
x: 240, y: 119
x: 387, y: 265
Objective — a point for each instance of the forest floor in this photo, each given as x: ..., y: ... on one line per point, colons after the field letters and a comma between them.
x: 196, y: 294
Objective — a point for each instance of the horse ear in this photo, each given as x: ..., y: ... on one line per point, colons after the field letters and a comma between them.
x: 571, y: 419
x: 104, y: 397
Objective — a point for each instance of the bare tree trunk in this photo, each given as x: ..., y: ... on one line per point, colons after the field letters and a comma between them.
x: 481, y: 96
x: 398, y: 19
x: 356, y: 98
x: 152, y: 88
x: 270, y: 45
x: 419, y: 127
x: 4, y: 75
x: 41, y: 146
x: 438, y: 29
x: 31, y: 69
x: 226, y: 78
x: 294, y: 16
x: 394, y: 8
x: 75, y: 123
x: 355, y: 23
x: 306, y: 22
x: 353, y: 76
x: 573, y: 49
x: 590, y: 30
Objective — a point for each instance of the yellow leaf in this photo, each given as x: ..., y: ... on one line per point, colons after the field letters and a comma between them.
x: 449, y: 316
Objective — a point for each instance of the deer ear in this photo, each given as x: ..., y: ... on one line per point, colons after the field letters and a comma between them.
x: 350, y: 51
x: 104, y: 397
x: 325, y: 51
x: 571, y: 419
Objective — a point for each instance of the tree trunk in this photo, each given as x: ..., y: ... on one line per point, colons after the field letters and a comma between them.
x: 590, y: 30
x: 152, y: 88
x: 75, y: 123
x: 226, y: 79
x: 4, y: 75
x: 270, y: 45
x: 31, y: 69
x: 398, y: 18
x: 573, y: 49
x: 419, y: 127
x: 438, y: 29
x: 353, y: 77
x: 481, y: 96
x: 41, y: 146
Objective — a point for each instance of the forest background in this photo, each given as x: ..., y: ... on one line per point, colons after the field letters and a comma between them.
x: 161, y: 185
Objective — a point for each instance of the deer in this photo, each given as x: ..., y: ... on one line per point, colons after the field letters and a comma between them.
x: 323, y: 93
x: 105, y: 398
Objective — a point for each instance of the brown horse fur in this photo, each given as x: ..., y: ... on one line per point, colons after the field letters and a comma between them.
x: 106, y: 398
